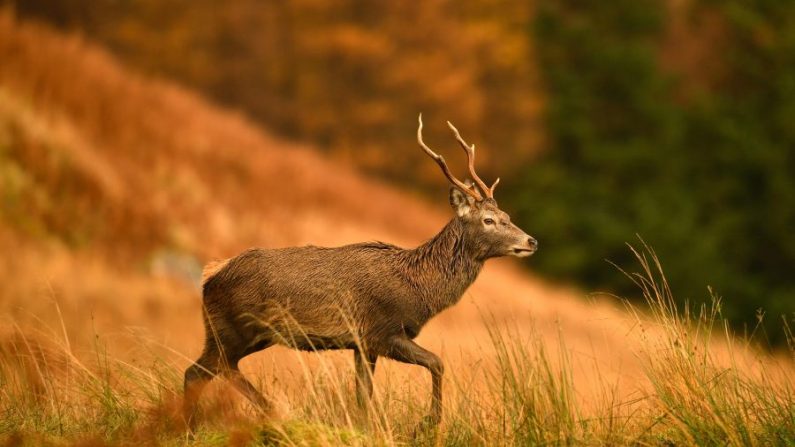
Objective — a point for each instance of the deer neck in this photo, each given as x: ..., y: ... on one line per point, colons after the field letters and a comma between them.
x: 444, y: 267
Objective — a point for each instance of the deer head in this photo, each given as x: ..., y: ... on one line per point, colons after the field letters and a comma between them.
x: 486, y: 226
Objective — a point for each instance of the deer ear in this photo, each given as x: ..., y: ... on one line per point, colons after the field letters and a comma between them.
x: 462, y: 203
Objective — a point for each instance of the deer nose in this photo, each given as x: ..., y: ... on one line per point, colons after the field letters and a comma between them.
x: 532, y: 243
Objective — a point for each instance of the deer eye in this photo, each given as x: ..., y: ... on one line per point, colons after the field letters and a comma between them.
x: 488, y: 221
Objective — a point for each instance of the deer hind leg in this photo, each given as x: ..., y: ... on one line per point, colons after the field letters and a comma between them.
x: 365, y: 368
x: 247, y: 389
x: 197, y: 376
x: 232, y: 372
x: 223, y: 361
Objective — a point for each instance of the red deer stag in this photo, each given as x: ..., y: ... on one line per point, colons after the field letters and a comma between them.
x: 371, y: 297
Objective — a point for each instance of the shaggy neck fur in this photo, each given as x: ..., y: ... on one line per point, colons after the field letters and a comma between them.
x: 444, y: 267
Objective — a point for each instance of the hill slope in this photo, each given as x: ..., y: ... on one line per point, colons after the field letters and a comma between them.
x: 115, y: 186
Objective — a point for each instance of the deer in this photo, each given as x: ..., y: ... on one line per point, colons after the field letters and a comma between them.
x: 372, y: 298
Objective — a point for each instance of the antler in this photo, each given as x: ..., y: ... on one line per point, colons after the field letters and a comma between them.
x: 468, y: 189
x: 470, y: 150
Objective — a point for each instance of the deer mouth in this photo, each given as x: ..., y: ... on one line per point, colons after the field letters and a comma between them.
x: 521, y: 252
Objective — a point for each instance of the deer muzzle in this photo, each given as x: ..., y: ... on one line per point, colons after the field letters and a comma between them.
x: 526, y: 249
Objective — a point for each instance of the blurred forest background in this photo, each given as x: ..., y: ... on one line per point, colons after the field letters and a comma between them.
x: 669, y: 119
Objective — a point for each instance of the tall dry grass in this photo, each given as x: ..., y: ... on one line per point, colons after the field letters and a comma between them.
x: 520, y: 392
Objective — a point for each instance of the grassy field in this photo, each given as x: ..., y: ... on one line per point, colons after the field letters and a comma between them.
x: 520, y: 391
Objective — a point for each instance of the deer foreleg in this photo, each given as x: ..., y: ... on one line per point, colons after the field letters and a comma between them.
x: 406, y: 351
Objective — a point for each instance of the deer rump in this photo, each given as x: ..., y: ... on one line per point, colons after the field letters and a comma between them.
x: 309, y: 298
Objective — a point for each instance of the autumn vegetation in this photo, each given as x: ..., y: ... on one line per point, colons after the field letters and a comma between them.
x: 116, y: 187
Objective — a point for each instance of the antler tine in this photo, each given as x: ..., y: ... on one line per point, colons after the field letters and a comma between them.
x: 493, y: 185
x: 468, y: 189
x: 470, y: 150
